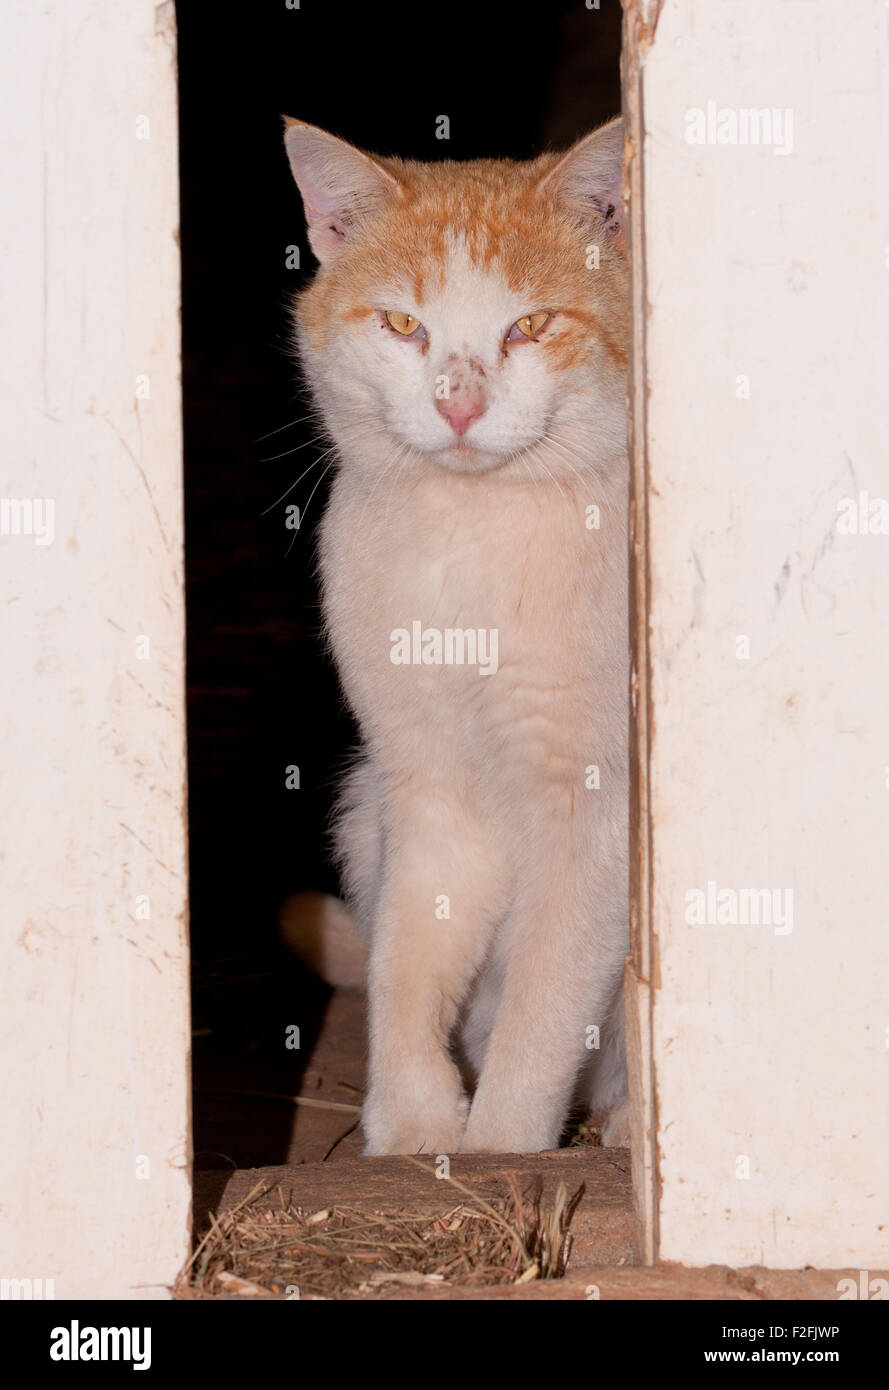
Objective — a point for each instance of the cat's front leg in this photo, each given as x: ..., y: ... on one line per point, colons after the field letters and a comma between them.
x: 567, y: 943
x: 441, y: 893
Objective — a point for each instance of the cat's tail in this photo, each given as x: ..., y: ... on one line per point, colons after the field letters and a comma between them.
x: 319, y: 930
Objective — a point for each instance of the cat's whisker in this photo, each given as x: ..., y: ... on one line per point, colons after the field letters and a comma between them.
x: 563, y: 450
x: 353, y: 438
x: 312, y: 465
x: 565, y: 438
x: 523, y: 456
x: 306, y: 507
x: 571, y: 469
x: 408, y: 457
x: 391, y: 467
x: 394, y: 467
x: 313, y: 415
x: 295, y: 450
x: 568, y: 440
x: 570, y: 444
x: 552, y: 478
x: 390, y: 463
x: 515, y: 455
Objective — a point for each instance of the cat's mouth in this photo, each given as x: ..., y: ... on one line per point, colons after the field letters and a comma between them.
x: 470, y: 458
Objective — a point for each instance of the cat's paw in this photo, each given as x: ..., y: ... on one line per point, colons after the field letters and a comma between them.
x: 488, y: 1131
x: 616, y: 1129
x: 433, y: 1126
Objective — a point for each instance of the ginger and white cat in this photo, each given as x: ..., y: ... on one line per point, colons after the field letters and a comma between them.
x: 465, y: 340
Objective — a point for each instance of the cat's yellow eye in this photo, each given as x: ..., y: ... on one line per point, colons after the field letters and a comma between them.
x: 405, y: 324
x: 528, y: 325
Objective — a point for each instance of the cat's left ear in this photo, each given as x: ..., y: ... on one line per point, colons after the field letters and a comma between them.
x: 339, y: 184
x: 590, y: 175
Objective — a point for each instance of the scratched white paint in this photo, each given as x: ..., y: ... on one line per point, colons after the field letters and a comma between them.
x: 770, y: 1050
x: 94, y: 1179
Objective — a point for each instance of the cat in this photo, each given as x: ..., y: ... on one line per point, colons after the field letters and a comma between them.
x: 465, y: 342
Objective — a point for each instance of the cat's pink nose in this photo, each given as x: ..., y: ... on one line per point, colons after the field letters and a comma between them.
x: 460, y: 411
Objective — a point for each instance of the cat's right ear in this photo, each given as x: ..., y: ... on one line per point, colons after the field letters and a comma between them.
x: 339, y: 184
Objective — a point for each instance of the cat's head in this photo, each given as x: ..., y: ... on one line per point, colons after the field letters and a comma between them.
x: 465, y: 313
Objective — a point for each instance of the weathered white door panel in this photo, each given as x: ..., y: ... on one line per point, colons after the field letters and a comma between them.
x: 758, y: 151
x: 94, y: 1163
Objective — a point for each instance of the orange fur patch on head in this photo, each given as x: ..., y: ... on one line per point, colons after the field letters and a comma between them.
x: 356, y: 311
x: 538, y: 242
x: 589, y: 325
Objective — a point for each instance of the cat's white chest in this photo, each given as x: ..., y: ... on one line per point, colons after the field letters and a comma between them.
x: 476, y: 589
x: 474, y: 555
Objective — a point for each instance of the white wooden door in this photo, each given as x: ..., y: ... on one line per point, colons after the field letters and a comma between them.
x: 94, y: 1092
x: 759, y: 992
